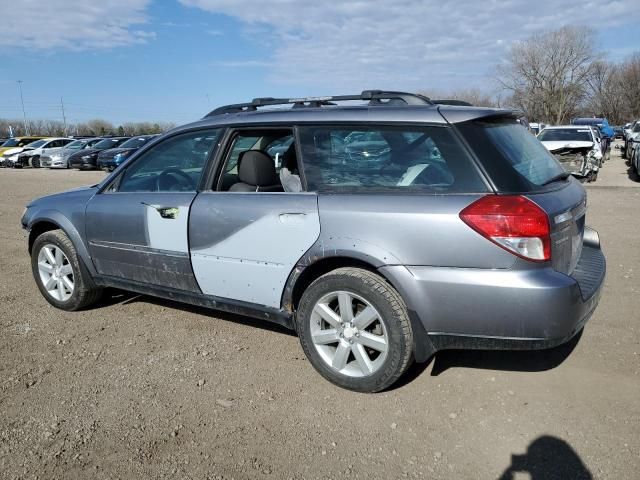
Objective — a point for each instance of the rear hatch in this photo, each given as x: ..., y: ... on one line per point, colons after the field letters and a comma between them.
x: 516, y: 163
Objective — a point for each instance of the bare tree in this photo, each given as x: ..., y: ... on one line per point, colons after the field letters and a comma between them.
x: 547, y: 74
x: 629, y: 86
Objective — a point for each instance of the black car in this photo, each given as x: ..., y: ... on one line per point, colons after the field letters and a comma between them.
x: 88, y: 159
x: 109, y: 159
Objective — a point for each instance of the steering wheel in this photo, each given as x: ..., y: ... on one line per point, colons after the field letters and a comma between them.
x: 172, y: 172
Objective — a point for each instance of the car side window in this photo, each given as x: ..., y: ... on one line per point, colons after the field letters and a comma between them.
x: 420, y: 159
x: 173, y: 165
x: 268, y: 153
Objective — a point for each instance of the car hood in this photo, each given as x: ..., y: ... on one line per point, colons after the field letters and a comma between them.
x: 12, y: 151
x: 112, y: 152
x: 49, y: 201
x: 562, y: 144
x: 86, y: 151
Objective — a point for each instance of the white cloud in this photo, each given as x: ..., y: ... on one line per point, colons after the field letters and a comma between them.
x: 72, y: 24
x: 402, y: 43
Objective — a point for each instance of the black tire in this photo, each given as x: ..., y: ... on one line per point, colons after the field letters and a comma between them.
x: 35, y: 161
x: 85, y: 291
x: 392, y: 313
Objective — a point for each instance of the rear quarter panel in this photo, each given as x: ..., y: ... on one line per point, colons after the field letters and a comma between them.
x: 384, y: 229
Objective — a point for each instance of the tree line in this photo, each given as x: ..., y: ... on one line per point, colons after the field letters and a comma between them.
x: 95, y: 127
x: 556, y: 75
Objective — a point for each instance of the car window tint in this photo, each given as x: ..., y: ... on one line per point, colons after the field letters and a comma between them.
x: 173, y: 165
x: 422, y: 159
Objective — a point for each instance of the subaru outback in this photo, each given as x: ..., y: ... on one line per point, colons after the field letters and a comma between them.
x: 381, y: 227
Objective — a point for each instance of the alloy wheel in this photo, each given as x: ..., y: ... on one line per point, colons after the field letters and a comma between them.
x: 349, y: 334
x: 56, y: 272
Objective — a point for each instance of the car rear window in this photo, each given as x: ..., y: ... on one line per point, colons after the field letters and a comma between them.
x: 515, y: 160
x: 384, y: 158
x: 565, y: 134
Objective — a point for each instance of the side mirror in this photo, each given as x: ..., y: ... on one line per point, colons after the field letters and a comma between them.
x: 598, y: 139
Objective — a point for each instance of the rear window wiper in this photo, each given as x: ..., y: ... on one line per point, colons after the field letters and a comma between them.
x: 555, y: 178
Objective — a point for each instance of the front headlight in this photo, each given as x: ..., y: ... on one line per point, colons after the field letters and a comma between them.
x: 86, y: 157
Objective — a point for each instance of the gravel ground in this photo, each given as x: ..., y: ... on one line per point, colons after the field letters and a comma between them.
x: 144, y: 388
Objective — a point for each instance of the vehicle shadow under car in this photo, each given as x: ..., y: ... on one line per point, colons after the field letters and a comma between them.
x: 503, y: 360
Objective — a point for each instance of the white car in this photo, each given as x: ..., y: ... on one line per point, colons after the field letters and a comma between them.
x: 30, y: 156
x: 577, y: 147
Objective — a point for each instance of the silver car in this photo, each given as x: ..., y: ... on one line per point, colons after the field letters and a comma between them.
x: 464, y: 233
x: 58, y: 158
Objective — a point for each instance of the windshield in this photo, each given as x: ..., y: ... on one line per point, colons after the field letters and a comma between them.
x: 75, y: 145
x: 12, y: 142
x: 108, y: 143
x: 515, y: 160
x: 565, y: 135
x: 37, y: 143
x: 135, y: 142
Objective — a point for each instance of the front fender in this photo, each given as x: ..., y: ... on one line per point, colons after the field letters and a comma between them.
x: 61, y: 221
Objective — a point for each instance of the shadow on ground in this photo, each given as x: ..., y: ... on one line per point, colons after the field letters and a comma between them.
x: 506, y: 360
x: 547, y: 458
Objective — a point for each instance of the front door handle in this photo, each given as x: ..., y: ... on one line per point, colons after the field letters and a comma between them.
x: 170, y: 213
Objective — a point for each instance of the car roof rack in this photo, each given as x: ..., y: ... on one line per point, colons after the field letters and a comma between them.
x: 453, y: 102
x: 375, y: 97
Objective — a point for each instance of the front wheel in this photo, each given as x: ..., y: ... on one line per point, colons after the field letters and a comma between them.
x: 35, y: 161
x: 59, y: 273
x: 355, y: 330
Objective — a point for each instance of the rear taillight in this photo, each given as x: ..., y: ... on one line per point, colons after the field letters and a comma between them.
x: 512, y: 222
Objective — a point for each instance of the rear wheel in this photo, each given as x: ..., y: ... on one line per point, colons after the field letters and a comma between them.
x: 59, y: 273
x: 355, y: 330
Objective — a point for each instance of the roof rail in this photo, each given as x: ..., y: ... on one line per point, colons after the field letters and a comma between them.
x: 453, y: 101
x: 375, y: 97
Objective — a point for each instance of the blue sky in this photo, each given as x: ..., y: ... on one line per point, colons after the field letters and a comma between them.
x: 173, y: 60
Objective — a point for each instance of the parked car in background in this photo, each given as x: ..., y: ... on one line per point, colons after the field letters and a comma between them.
x: 12, y: 147
x: 536, y: 128
x: 618, y: 132
x: 10, y: 154
x: 109, y: 159
x: 58, y: 158
x: 30, y: 156
x: 88, y: 159
x: 630, y: 134
x: 466, y: 233
x: 634, y: 161
x: 576, y: 148
x: 603, y: 125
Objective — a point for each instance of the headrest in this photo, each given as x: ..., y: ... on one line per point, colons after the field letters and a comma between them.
x: 257, y: 168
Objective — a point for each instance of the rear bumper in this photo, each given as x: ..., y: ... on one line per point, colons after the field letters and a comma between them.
x: 502, y: 309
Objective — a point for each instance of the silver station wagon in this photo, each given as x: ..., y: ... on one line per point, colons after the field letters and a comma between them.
x: 381, y: 227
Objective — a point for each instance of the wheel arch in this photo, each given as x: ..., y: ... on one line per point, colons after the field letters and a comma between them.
x: 54, y: 220
x: 304, y: 275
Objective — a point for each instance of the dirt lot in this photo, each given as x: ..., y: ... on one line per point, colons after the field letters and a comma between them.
x: 143, y: 388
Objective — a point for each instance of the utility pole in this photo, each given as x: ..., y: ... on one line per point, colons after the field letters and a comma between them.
x: 24, y: 115
x: 64, y: 118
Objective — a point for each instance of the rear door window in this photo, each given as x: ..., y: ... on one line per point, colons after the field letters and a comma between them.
x: 386, y: 158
